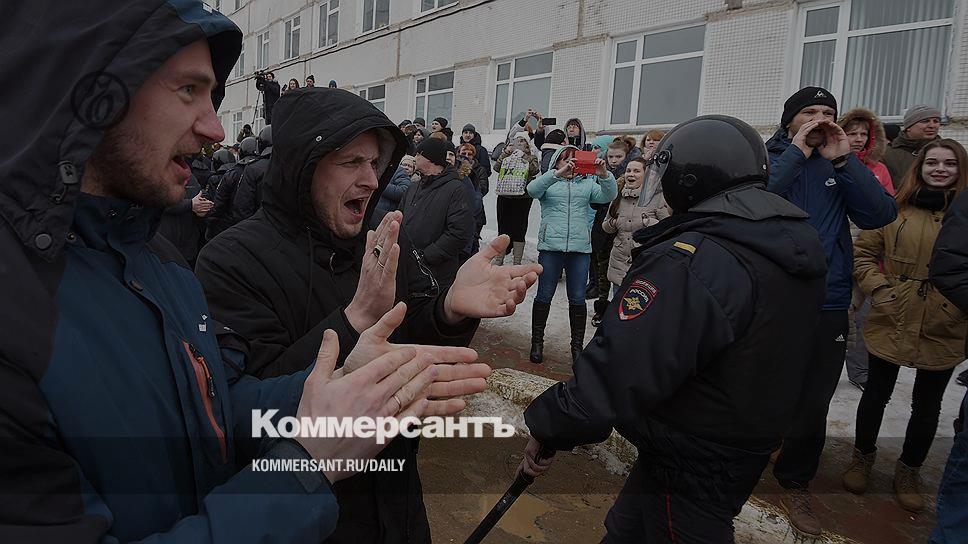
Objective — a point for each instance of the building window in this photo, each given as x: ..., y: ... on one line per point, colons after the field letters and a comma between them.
x: 886, y: 55
x: 376, y: 14
x: 239, y: 4
x: 240, y: 65
x: 260, y: 119
x: 329, y: 23
x: 521, y: 84
x: 428, y: 5
x: 435, y: 96
x: 236, y: 125
x: 657, y: 78
x: 292, y: 37
x: 376, y: 94
x: 217, y: 5
x: 262, y: 50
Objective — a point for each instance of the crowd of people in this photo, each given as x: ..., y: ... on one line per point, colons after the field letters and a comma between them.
x: 162, y: 286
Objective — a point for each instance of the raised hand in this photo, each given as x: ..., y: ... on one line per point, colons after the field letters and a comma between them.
x: 836, y: 143
x: 800, y: 138
x: 455, y: 376
x: 600, y: 170
x: 377, y: 287
x: 395, y: 384
x: 566, y: 170
x: 483, y: 290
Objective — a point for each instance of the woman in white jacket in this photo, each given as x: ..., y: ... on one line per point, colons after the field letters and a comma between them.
x: 625, y: 216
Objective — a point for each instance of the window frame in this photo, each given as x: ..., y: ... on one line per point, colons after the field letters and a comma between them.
x: 420, y: 12
x: 638, y: 62
x: 427, y: 93
x: 842, y: 39
x: 363, y: 30
x: 237, y: 117
x: 262, y: 60
x: 327, y: 6
x: 239, y: 69
x: 239, y: 4
x: 290, y: 45
x: 511, y: 80
x: 361, y: 89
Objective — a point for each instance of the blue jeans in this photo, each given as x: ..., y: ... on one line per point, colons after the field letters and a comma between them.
x: 575, y: 266
x: 953, y: 494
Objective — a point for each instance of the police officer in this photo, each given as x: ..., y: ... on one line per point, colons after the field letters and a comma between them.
x: 699, y: 361
x: 229, y: 207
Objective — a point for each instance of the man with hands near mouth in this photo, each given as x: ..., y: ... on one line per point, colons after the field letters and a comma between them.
x: 812, y: 166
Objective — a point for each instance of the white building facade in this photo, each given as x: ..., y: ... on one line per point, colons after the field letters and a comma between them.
x: 622, y: 66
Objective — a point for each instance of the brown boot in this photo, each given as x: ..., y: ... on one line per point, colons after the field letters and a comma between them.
x: 796, y: 505
x: 858, y: 472
x: 907, y: 487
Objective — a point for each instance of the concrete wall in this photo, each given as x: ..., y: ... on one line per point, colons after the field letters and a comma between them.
x: 748, y: 62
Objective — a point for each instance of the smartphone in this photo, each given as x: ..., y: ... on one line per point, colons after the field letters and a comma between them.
x: 549, y: 121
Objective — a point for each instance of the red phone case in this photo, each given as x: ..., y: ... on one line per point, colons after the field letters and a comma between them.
x: 585, y: 162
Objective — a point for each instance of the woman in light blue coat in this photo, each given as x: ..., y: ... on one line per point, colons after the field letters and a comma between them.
x: 564, y: 241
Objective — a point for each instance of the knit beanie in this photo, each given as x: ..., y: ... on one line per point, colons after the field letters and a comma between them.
x: 469, y: 128
x: 442, y: 121
x: 435, y: 151
x: 804, y: 98
x: 916, y: 114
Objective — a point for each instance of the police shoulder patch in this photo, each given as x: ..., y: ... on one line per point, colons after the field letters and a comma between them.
x: 637, y: 299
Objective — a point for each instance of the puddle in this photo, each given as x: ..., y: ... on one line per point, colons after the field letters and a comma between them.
x: 521, y: 520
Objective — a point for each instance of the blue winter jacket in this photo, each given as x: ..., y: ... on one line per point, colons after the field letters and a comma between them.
x: 394, y: 192
x: 125, y: 413
x: 566, y: 217
x: 830, y: 196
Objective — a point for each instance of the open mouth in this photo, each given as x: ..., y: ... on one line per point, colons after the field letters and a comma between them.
x: 356, y: 207
x: 181, y: 161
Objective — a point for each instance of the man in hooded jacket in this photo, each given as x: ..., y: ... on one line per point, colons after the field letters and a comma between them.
x: 124, y: 411
x: 304, y: 263
x: 685, y: 362
x: 811, y: 165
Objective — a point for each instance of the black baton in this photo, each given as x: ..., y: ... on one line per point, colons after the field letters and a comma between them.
x: 520, y: 484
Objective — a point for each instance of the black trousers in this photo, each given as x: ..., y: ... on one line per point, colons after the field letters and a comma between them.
x: 803, y: 443
x: 512, y: 217
x: 647, y: 511
x: 929, y: 386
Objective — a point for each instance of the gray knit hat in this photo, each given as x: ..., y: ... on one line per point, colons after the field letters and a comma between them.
x: 916, y: 114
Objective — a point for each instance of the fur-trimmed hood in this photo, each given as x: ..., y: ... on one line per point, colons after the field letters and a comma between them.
x: 877, y: 141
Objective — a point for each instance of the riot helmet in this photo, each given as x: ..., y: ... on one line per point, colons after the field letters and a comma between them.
x: 248, y: 147
x: 221, y: 158
x: 704, y: 157
x: 265, y: 137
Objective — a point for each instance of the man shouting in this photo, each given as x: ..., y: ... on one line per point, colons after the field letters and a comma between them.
x: 303, y: 264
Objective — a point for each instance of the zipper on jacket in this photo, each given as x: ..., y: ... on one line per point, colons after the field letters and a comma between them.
x: 206, y: 388
x: 568, y: 229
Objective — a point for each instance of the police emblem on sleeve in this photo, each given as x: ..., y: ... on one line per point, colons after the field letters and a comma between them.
x: 637, y: 299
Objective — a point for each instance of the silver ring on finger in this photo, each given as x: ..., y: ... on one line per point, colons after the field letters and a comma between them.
x: 381, y: 265
x: 377, y: 250
x: 399, y: 404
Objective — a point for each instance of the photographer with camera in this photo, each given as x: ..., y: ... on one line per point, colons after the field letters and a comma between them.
x: 266, y: 82
x: 812, y: 166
